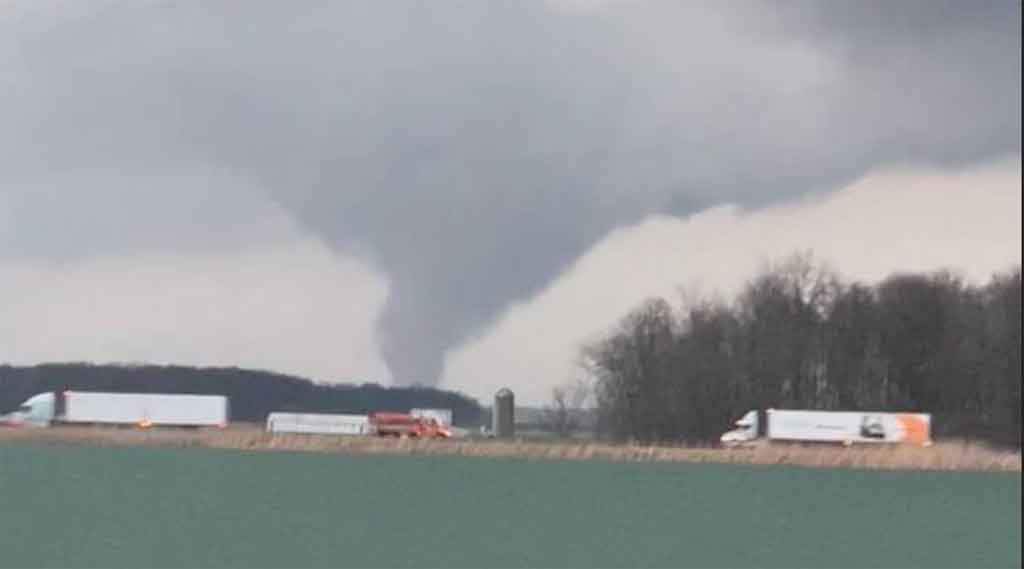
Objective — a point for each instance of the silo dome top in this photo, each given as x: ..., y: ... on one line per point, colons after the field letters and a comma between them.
x: 503, y: 392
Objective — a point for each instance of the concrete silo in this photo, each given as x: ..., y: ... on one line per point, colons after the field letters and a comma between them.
x: 504, y: 414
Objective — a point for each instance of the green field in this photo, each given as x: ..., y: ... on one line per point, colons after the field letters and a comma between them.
x: 66, y: 506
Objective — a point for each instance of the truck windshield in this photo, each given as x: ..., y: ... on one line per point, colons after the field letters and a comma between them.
x: 24, y: 409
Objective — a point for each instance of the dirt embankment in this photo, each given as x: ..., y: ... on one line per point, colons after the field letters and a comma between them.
x: 950, y: 455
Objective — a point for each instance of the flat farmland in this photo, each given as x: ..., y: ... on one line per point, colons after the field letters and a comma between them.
x: 83, y: 506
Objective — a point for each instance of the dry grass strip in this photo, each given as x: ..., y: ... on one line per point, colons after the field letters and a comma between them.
x: 946, y: 455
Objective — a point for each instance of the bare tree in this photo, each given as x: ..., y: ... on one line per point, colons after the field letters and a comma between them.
x: 633, y: 374
x: 563, y: 415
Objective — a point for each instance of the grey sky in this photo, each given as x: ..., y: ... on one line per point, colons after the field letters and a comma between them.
x: 469, y: 150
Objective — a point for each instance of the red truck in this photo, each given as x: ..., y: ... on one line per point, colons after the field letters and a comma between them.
x: 387, y: 424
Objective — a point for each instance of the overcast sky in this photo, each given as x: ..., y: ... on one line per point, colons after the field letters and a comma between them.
x: 435, y: 192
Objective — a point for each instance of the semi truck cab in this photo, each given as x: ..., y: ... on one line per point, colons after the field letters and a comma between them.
x: 36, y: 411
x: 747, y: 430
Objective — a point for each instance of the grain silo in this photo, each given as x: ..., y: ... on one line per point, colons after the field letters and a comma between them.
x: 504, y: 414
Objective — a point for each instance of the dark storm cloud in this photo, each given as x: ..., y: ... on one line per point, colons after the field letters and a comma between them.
x: 471, y: 150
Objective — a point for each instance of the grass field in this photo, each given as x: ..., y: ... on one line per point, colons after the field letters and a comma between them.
x: 76, y: 506
x: 946, y: 455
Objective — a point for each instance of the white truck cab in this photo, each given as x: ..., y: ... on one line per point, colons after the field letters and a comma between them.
x: 36, y: 411
x: 746, y: 431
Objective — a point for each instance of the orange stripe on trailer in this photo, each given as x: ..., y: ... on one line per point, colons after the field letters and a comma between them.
x: 915, y: 429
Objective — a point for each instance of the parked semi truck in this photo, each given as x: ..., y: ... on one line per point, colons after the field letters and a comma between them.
x: 418, y: 423
x: 845, y: 427
x: 387, y: 424
x: 319, y: 423
x: 138, y: 409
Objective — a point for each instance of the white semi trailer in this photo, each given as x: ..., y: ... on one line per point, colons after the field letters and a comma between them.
x: 318, y: 423
x: 845, y: 427
x: 138, y: 409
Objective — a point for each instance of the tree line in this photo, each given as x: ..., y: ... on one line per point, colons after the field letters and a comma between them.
x: 252, y: 394
x: 797, y: 336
